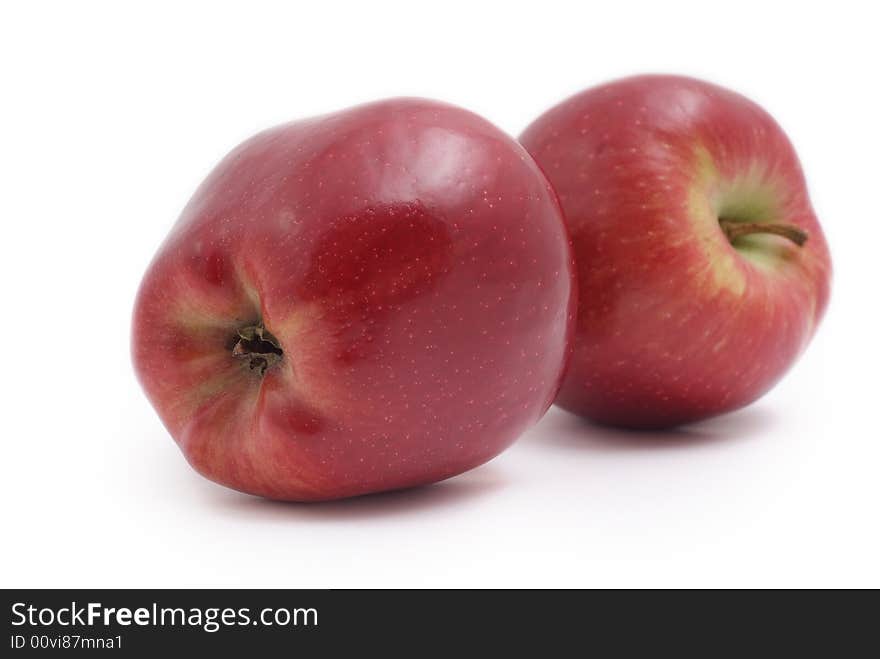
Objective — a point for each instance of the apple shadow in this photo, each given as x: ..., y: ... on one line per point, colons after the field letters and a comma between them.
x: 460, y: 489
x: 566, y: 431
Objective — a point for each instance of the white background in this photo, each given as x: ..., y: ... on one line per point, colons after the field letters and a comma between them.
x: 111, y: 115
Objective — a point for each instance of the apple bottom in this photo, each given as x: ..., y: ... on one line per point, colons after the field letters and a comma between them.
x: 314, y: 400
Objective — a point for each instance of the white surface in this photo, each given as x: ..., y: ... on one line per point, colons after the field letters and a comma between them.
x: 111, y: 117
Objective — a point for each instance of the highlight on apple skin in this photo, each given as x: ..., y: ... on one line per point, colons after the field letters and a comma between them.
x: 703, y: 271
x: 369, y: 300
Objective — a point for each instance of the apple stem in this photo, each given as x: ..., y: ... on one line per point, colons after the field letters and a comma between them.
x: 257, y: 347
x: 734, y: 230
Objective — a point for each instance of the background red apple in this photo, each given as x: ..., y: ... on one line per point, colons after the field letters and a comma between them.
x: 688, y: 212
x: 368, y: 300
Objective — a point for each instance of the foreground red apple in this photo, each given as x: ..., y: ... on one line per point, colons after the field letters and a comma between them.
x: 364, y: 301
x: 702, y: 269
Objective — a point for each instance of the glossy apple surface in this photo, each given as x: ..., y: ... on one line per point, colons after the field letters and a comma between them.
x: 686, y: 204
x: 368, y: 300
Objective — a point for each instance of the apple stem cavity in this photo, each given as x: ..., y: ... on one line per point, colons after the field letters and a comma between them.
x: 258, y: 348
x: 734, y: 229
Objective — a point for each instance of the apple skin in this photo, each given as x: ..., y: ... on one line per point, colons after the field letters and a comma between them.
x: 412, y: 264
x: 675, y: 323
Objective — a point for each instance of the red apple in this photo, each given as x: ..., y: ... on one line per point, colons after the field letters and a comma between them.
x: 702, y: 269
x: 363, y: 301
